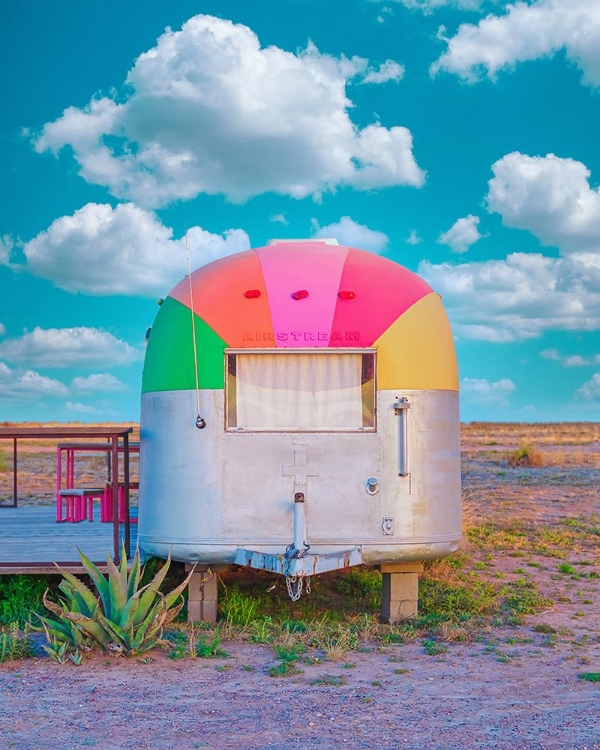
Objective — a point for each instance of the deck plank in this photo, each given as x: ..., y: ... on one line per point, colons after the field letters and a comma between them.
x: 30, y: 537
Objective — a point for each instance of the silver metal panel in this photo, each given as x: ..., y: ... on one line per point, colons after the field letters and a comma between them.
x: 180, y: 468
x: 204, y: 493
x: 307, y: 565
x: 262, y: 472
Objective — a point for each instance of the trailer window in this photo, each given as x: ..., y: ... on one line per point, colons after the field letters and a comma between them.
x: 300, y: 391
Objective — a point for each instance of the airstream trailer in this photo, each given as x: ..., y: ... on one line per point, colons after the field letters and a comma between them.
x: 300, y: 414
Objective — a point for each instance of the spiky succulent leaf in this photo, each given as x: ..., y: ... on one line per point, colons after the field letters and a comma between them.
x: 60, y: 631
x: 117, y: 634
x: 134, y: 574
x: 98, y: 579
x: 133, y: 612
x: 151, y: 627
x: 123, y: 565
x: 117, y: 585
x: 173, y: 595
x: 56, y: 609
x: 173, y: 611
x: 78, y: 592
x: 153, y: 587
x: 90, y: 627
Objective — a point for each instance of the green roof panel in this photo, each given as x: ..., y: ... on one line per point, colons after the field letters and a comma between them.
x: 169, y: 363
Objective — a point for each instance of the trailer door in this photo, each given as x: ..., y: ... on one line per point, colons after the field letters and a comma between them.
x: 300, y: 420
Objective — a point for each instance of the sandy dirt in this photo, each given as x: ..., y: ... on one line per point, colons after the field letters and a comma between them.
x: 509, y: 687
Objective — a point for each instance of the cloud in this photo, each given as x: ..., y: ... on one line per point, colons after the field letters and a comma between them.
x: 551, y: 354
x: 549, y: 196
x: 590, y: 391
x: 462, y: 234
x: 64, y: 347
x: 413, y: 238
x: 124, y: 250
x: 520, y: 297
x: 480, y: 391
x: 209, y: 111
x: 2, y: 329
x: 348, y: 232
x: 573, y: 360
x: 526, y: 31
x: 6, y: 246
x: 104, y: 382
x: 279, y: 219
x: 78, y: 408
x: 388, y: 71
x: 528, y: 293
x: 429, y: 6
x: 28, y: 385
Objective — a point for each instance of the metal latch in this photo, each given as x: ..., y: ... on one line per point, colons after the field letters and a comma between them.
x: 388, y: 525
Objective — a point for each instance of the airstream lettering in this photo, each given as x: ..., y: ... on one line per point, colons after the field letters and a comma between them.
x: 326, y: 379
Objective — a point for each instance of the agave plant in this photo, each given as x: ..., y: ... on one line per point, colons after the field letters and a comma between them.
x: 124, y: 617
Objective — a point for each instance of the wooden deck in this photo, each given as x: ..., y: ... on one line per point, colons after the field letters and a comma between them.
x: 31, y: 540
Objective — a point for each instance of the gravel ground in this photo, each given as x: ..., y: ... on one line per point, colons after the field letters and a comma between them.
x: 512, y: 688
x: 398, y: 697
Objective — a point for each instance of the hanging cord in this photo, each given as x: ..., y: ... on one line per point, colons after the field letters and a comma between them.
x: 200, y: 422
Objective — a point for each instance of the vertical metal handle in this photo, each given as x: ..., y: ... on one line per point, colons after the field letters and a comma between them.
x: 401, y: 406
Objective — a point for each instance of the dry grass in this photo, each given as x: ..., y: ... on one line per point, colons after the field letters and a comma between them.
x: 542, y: 433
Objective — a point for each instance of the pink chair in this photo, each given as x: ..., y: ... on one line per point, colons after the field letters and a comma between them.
x: 106, y: 509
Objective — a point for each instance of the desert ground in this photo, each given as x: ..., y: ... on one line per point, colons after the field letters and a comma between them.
x: 527, y: 681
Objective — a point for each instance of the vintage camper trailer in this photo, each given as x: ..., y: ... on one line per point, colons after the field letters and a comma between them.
x: 300, y: 414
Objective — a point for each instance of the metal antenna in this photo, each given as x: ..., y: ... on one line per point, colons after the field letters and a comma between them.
x: 200, y: 422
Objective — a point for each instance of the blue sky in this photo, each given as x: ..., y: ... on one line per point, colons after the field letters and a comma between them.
x: 456, y: 137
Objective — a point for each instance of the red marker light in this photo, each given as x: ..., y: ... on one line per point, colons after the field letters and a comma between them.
x: 252, y: 293
x: 300, y: 294
x: 346, y: 295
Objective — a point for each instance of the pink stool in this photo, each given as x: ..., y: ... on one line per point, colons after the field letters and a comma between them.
x: 79, y: 504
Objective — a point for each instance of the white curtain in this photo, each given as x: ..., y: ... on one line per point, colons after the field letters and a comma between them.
x: 299, y: 391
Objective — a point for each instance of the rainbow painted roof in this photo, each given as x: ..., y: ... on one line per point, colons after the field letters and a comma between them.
x: 302, y: 294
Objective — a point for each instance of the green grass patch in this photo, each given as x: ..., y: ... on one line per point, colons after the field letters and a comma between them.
x: 210, y: 649
x: 20, y: 596
x: 433, y: 648
x: 285, y: 669
x: 333, y: 680
x: 589, y: 676
x: 363, y: 585
x: 457, y: 600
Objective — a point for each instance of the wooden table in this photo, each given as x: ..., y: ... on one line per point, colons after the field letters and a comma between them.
x: 118, y: 441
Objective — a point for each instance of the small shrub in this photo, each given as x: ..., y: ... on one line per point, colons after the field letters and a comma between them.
x: 285, y: 669
x: 238, y: 608
x: 206, y: 649
x: 289, y: 652
x: 261, y: 631
x: 433, y: 648
x: 542, y: 627
x: 526, y: 455
x: 179, y: 639
x: 566, y: 569
x: 330, y: 679
x: 15, y: 643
